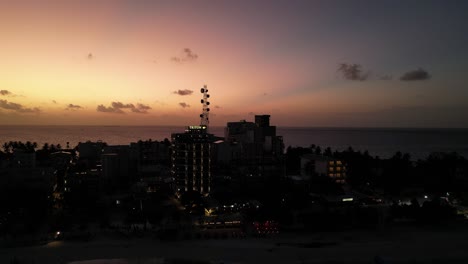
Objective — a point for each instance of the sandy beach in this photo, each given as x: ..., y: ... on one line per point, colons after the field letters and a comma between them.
x: 397, y: 245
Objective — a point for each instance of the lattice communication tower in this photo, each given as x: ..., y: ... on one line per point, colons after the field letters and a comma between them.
x: 204, y: 116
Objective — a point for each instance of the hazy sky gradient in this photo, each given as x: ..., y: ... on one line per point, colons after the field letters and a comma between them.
x: 67, y: 63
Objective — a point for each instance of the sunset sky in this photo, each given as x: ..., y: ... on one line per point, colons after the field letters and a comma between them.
x: 306, y: 63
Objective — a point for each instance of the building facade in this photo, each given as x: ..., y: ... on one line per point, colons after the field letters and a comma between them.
x: 191, y: 159
x: 318, y: 165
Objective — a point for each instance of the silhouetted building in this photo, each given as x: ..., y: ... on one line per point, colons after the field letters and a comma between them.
x: 27, y: 179
x: 250, y: 158
x: 260, y: 147
x: 61, y: 162
x: 24, y: 159
x: 83, y: 185
x: 258, y: 140
x: 116, y: 165
x: 90, y: 152
x: 262, y: 120
x: 191, y: 159
x: 152, y: 159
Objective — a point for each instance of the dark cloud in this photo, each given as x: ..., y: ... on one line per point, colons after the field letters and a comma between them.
x: 53, y: 101
x: 116, y: 107
x: 176, y: 59
x: 184, y: 105
x: 5, y: 92
x: 416, y: 75
x: 17, y: 107
x: 120, y: 105
x: 217, y: 106
x: 110, y: 109
x: 187, y: 56
x: 141, y: 109
x: 183, y: 92
x: 73, y: 107
x: 352, y: 72
x: 90, y: 56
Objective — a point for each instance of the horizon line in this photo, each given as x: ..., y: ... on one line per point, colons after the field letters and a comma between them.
x: 218, y: 126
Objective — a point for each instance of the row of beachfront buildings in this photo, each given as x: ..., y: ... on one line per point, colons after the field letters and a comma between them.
x: 194, y: 160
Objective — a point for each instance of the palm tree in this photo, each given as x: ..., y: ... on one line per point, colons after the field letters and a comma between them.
x: 15, y: 144
x: 318, y: 150
x: 45, y: 147
x: 28, y: 147
x: 328, y: 152
x: 6, y: 147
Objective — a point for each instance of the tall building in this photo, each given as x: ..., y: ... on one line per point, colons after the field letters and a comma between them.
x: 260, y: 149
x: 191, y: 154
x: 191, y: 159
x: 259, y: 142
x: 117, y: 168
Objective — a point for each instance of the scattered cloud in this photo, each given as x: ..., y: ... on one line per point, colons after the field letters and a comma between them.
x: 184, y: 92
x: 110, y: 109
x: 251, y: 113
x: 141, y: 109
x: 90, y: 56
x: 187, y: 56
x: 5, y: 92
x: 217, y: 106
x: 53, y: 101
x: 416, y: 75
x: 352, y: 72
x: 176, y: 59
x: 73, y: 107
x: 117, y: 108
x: 17, y: 107
x: 120, y: 105
x: 184, y: 105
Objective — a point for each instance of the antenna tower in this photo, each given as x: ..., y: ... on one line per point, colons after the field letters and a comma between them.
x: 204, y: 116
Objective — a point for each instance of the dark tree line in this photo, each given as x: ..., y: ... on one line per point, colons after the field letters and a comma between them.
x: 438, y: 173
x: 28, y: 146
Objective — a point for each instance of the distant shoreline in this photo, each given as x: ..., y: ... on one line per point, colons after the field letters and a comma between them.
x: 277, y: 126
x: 382, y: 142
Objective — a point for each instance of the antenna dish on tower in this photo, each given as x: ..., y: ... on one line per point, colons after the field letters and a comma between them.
x: 204, y: 116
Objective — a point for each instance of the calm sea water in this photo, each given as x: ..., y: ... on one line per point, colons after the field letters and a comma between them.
x: 378, y: 141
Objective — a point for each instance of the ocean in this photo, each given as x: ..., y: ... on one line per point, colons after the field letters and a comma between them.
x: 382, y: 142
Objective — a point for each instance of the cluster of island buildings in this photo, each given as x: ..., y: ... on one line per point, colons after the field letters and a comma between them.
x: 197, y: 180
x: 193, y: 160
x: 210, y: 175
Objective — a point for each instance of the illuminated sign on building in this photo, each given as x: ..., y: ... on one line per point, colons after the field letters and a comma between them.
x: 196, y: 127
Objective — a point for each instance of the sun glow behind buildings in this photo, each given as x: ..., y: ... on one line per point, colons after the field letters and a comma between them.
x: 277, y: 59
